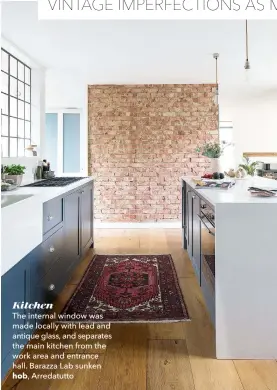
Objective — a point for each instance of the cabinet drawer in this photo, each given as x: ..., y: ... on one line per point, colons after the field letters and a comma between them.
x: 52, y: 214
x: 54, y: 281
x: 50, y: 250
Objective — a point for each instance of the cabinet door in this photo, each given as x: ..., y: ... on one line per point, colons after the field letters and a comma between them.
x: 86, y: 217
x: 15, y: 288
x: 184, y: 213
x: 196, y: 235
x: 72, y: 226
x: 189, y: 224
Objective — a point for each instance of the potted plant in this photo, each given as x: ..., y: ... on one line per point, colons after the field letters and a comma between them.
x: 15, y: 173
x: 214, y: 151
x: 249, y: 167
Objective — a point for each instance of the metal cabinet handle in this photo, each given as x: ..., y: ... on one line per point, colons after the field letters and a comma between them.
x: 51, y: 287
x: 50, y: 217
x: 51, y: 249
x: 207, y: 227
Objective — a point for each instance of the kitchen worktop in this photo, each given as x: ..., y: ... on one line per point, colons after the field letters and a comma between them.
x: 238, y: 193
x: 22, y: 222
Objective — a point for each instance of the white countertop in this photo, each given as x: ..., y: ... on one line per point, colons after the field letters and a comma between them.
x: 238, y: 193
x: 22, y: 222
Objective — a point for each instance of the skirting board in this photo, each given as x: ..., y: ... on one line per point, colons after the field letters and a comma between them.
x: 138, y: 225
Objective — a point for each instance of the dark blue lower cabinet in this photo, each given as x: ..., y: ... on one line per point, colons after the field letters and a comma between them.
x: 44, y: 272
x: 15, y: 288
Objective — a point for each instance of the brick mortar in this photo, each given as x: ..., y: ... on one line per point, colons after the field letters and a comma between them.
x: 142, y: 139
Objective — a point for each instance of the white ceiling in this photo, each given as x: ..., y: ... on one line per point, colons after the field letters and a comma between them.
x: 147, y: 51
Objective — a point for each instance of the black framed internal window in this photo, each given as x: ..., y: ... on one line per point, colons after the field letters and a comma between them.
x: 15, y: 105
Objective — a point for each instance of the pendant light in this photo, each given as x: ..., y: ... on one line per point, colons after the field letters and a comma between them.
x: 247, y: 63
x: 216, y: 56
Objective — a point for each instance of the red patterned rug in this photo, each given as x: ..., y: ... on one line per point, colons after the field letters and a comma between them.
x: 129, y: 288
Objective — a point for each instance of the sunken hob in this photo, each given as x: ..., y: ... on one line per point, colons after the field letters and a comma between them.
x: 55, y: 182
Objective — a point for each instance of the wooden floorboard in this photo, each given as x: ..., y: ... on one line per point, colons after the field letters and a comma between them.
x: 162, y: 356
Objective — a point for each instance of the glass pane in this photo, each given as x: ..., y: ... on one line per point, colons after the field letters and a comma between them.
x: 13, y: 67
x: 27, y: 129
x: 13, y: 86
x: 27, y: 93
x: 27, y: 75
x: 27, y: 143
x: 4, y: 61
x: 20, y: 93
x: 20, y: 71
x: 13, y: 147
x: 71, y: 143
x: 4, y: 103
x: 13, y: 127
x: 13, y: 106
x: 51, y: 139
x: 20, y: 109
x: 27, y: 111
x: 4, y: 82
x: 4, y: 125
x: 20, y: 128
x: 21, y: 148
x: 4, y: 147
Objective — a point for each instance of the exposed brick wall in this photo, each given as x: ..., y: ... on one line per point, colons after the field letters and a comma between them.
x: 142, y: 139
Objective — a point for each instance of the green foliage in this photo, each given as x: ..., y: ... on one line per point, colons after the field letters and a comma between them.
x: 14, y: 169
x: 212, y: 150
x: 248, y: 166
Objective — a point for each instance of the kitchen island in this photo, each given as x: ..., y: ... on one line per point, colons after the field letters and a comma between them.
x: 231, y: 238
x: 46, y: 233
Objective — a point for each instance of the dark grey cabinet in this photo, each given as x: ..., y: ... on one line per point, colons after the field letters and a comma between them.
x: 193, y: 242
x: 43, y: 273
x: 86, y: 217
x: 78, y: 208
x: 189, y: 220
x: 15, y: 288
x: 196, y: 235
x: 72, y: 226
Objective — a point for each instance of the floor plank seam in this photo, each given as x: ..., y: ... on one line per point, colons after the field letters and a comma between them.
x: 238, y: 375
x: 190, y: 365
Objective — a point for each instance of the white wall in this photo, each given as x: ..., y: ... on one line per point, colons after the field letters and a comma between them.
x: 254, y: 126
x: 67, y: 90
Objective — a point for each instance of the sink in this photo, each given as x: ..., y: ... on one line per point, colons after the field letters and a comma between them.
x: 7, y: 200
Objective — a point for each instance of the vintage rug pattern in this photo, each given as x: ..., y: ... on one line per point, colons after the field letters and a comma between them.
x: 130, y: 288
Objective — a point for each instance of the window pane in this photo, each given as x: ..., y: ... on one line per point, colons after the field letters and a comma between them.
x: 13, y: 106
x: 20, y: 128
x: 27, y: 75
x: 4, y: 61
x: 27, y: 129
x: 20, y: 109
x: 27, y: 143
x: 20, y: 91
x: 4, y: 147
x: 27, y: 93
x: 13, y: 67
x: 13, y: 86
x: 20, y: 71
x: 4, y: 103
x: 13, y: 147
x: 4, y: 125
x: 27, y: 111
x: 71, y: 143
x: 13, y: 127
x: 21, y: 148
x: 4, y: 82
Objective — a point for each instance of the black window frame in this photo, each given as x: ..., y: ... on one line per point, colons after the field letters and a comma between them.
x: 27, y: 140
